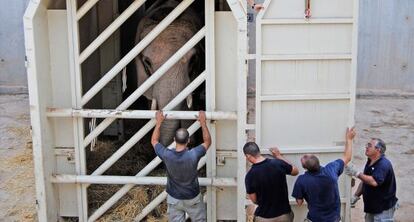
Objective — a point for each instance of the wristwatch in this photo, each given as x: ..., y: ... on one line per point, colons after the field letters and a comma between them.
x: 254, y: 4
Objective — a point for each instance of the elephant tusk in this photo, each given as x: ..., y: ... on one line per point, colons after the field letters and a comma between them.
x: 154, y: 104
x: 189, y: 101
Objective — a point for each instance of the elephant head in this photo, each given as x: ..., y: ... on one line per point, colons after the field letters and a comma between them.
x: 159, y: 51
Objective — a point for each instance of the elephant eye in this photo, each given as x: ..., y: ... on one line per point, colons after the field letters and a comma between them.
x: 147, y: 66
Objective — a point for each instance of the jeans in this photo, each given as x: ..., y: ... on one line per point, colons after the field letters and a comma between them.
x: 282, y: 218
x: 195, y: 208
x: 384, y: 216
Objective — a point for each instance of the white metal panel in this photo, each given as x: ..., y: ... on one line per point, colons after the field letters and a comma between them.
x: 305, y: 82
x: 306, y: 39
x: 319, y: 8
x: 305, y: 77
x: 59, y: 73
x: 226, y: 73
x: 303, y: 123
x: 67, y: 192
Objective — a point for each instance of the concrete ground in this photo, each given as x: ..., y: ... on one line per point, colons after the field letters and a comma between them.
x: 17, y: 190
x: 388, y: 118
x: 392, y: 120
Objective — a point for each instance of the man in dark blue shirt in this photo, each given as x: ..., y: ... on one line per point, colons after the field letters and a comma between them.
x: 181, y: 163
x: 378, y: 183
x: 266, y: 184
x: 319, y: 185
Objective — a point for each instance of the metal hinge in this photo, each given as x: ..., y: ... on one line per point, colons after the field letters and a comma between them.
x: 222, y: 155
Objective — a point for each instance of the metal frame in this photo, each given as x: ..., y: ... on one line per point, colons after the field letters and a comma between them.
x: 209, y: 7
x: 239, y: 9
x: 339, y: 96
x: 77, y: 113
x: 76, y: 87
x: 136, y: 114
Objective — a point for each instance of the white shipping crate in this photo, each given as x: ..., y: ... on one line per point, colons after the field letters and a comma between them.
x: 305, y: 92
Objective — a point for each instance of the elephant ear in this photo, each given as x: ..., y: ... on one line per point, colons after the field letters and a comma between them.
x: 197, y: 61
x: 157, y: 4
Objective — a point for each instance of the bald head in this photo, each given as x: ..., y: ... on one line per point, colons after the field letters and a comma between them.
x: 181, y: 136
x: 310, y: 162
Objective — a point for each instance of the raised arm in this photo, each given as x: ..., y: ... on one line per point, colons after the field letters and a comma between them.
x: 276, y: 153
x: 206, y: 133
x: 256, y: 7
x: 159, y: 117
x: 349, y: 137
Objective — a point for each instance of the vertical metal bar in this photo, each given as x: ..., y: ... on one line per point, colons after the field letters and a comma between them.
x: 241, y: 115
x: 352, y: 90
x: 259, y: 18
x: 42, y: 192
x: 76, y: 88
x: 210, y: 106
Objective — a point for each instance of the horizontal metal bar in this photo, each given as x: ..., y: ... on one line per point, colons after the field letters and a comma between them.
x: 270, y: 98
x: 251, y: 56
x: 287, y: 57
x: 302, y: 150
x: 203, y: 181
x: 250, y: 126
x: 306, y: 21
x: 136, y: 114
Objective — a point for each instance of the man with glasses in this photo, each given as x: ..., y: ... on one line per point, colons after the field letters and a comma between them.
x: 378, y: 186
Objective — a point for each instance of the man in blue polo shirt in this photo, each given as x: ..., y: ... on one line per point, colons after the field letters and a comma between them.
x: 181, y: 163
x: 319, y: 185
x: 378, y: 183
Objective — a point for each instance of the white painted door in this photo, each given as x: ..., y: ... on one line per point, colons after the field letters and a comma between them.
x: 305, y: 82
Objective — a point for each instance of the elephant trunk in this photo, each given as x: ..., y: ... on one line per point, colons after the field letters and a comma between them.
x: 169, y: 126
x: 168, y: 129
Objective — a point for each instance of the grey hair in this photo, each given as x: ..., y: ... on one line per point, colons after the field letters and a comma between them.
x: 311, y: 163
x: 251, y: 148
x: 380, y: 144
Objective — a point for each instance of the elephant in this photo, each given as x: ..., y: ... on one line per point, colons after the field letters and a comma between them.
x: 159, y: 51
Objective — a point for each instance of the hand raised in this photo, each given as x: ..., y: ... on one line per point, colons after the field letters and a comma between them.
x: 350, y: 133
x: 159, y: 116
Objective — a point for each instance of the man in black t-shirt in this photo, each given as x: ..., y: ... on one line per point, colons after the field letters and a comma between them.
x: 266, y: 184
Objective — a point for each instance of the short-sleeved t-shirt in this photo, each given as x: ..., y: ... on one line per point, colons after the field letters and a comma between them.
x: 267, y: 180
x: 382, y: 197
x: 320, y: 190
x: 182, y: 179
